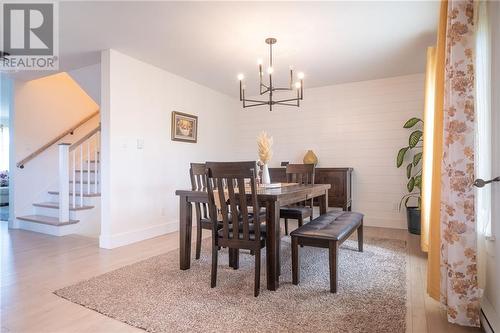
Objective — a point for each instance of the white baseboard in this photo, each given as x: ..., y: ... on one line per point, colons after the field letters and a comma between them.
x: 46, y: 228
x: 129, y: 237
x: 489, y: 318
x: 384, y: 223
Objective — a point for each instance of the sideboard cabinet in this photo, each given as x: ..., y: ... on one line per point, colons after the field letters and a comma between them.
x: 340, y: 179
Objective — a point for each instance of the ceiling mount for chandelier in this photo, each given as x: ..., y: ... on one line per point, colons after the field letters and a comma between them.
x: 270, y: 89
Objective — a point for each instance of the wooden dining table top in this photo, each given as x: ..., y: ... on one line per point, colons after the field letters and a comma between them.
x: 280, y: 194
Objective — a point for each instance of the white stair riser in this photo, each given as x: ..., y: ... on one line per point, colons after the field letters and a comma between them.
x: 87, y: 201
x: 49, y: 229
x: 85, y: 189
x: 53, y: 212
x: 79, y: 176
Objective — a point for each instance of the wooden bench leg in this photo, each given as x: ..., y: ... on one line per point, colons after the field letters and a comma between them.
x: 333, y: 252
x: 295, y: 261
x: 360, y: 237
x: 286, y: 227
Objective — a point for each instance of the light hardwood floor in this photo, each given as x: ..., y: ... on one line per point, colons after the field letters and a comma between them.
x: 34, y: 265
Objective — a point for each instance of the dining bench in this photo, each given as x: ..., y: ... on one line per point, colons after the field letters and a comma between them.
x: 329, y: 230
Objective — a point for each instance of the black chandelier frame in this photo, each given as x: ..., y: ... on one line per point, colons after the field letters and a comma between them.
x: 270, y: 88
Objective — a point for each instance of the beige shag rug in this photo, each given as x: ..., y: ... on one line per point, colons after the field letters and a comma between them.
x: 158, y: 297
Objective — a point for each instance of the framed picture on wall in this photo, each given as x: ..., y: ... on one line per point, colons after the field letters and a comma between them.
x: 184, y: 127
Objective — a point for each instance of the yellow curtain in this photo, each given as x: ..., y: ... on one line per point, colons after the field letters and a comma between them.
x: 432, y: 155
x: 427, y: 159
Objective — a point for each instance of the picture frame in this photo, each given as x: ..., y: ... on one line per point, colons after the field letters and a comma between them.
x: 184, y: 127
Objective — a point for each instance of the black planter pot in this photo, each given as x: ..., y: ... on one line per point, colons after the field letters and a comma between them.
x: 413, y: 217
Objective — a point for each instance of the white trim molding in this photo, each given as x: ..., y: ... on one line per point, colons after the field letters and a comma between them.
x: 129, y: 237
x: 489, y: 318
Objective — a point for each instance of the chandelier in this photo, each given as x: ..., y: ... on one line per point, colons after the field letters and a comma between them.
x: 269, y: 88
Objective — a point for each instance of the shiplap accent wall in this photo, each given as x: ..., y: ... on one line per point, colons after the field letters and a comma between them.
x: 355, y: 125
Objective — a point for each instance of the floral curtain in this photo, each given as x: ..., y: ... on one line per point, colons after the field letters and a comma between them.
x: 459, y: 284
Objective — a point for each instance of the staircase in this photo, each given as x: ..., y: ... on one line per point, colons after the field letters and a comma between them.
x: 77, y: 197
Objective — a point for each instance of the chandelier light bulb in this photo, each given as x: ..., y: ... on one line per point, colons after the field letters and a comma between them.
x: 241, y: 77
x: 300, y: 75
x: 259, y: 61
x: 297, y: 85
x: 270, y: 70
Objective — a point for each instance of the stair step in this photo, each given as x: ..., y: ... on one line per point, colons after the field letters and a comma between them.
x: 78, y: 194
x: 84, y: 182
x: 46, y: 220
x: 55, y: 205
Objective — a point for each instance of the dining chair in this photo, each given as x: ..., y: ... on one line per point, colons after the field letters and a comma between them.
x: 240, y: 230
x: 301, y: 174
x: 197, y: 173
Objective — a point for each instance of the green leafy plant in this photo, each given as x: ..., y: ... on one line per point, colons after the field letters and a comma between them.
x: 412, y: 154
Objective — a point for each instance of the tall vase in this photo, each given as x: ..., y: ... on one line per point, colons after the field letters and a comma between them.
x: 266, y: 179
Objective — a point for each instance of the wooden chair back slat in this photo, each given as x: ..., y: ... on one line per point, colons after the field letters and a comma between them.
x: 243, y: 207
x: 256, y: 208
x: 197, y: 173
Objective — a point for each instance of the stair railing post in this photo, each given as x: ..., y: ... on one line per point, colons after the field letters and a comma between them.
x: 64, y: 182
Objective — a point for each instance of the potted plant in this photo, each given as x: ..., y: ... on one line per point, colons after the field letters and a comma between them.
x: 412, y: 154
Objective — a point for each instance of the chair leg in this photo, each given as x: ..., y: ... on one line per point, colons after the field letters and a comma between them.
x: 286, y: 227
x: 333, y: 254
x: 300, y: 223
x: 257, y: 273
x: 295, y: 261
x: 360, y: 237
x: 215, y: 254
x: 234, y: 258
x: 198, y: 239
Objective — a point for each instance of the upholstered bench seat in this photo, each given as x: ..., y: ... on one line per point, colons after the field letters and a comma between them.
x: 328, y: 231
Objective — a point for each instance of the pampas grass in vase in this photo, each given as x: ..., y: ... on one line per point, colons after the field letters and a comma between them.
x: 264, y: 143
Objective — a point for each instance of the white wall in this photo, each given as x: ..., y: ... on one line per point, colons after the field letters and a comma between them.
x: 138, y: 185
x: 89, y: 79
x: 355, y: 125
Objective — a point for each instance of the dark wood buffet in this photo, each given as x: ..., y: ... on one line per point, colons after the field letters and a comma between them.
x: 340, y: 179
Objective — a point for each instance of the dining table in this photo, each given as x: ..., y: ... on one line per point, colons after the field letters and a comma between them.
x: 269, y: 198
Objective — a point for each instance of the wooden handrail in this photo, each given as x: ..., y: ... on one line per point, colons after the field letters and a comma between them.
x: 85, y: 138
x: 40, y: 150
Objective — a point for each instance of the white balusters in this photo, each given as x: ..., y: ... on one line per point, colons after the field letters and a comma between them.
x: 96, y: 168
x: 79, y: 163
x: 81, y: 175
x: 63, y: 182
x: 88, y: 166
x: 74, y: 178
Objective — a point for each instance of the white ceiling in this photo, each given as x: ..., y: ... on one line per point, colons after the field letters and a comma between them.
x: 211, y: 42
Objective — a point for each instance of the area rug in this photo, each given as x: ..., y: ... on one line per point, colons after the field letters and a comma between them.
x: 155, y: 295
